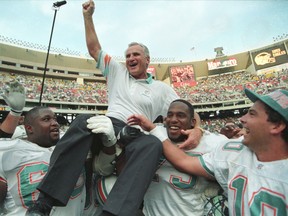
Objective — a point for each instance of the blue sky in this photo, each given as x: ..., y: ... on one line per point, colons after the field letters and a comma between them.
x: 169, y: 28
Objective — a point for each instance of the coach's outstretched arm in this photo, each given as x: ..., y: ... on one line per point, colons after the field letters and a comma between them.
x: 92, y: 41
x: 177, y: 157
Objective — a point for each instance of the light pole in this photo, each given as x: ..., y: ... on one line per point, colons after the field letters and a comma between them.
x: 55, y: 7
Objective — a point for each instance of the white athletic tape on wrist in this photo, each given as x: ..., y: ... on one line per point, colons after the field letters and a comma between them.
x: 160, y: 133
x: 15, y: 113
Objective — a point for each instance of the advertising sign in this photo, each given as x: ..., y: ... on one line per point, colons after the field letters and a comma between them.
x: 223, y: 63
x: 269, y: 57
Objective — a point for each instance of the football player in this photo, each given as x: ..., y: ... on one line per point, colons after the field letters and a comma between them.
x: 173, y: 192
x: 254, y: 171
x: 24, y: 163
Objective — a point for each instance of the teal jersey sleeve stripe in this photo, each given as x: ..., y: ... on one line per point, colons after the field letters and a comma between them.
x: 205, y: 167
x: 105, y: 72
x: 99, y: 60
x: 193, y: 154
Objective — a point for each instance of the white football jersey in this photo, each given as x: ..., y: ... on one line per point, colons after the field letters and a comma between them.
x: 253, y: 187
x: 19, y: 132
x: 92, y: 206
x: 23, y: 165
x: 175, y: 193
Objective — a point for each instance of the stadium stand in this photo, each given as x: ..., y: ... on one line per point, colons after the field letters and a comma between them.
x: 73, y: 85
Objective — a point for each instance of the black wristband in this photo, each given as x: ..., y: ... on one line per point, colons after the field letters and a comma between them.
x: 5, y: 135
x: 15, y: 113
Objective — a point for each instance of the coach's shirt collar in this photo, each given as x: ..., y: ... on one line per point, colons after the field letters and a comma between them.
x: 149, y: 79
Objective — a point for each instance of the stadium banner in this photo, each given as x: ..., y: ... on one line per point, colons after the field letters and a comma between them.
x: 223, y: 63
x: 270, y: 57
x: 271, y: 70
x: 151, y: 70
x: 182, y: 75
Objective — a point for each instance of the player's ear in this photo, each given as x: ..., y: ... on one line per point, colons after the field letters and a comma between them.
x: 28, y: 129
x: 193, y: 122
x: 278, y: 127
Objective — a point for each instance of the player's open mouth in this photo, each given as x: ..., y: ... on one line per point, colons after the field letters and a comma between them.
x: 55, y: 131
x: 247, y: 131
x: 174, y: 128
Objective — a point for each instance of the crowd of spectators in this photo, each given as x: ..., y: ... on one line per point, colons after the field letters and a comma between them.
x: 217, y: 88
x: 62, y: 90
x: 224, y: 87
x: 215, y: 124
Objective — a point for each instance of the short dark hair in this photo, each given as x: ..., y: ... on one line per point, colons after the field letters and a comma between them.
x: 190, y: 106
x: 32, y: 114
x: 275, y: 117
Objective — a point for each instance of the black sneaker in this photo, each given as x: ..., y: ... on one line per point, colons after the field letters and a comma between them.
x: 38, y: 209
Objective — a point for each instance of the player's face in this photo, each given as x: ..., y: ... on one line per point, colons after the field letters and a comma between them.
x: 45, y: 128
x: 256, y: 127
x: 178, y: 118
x: 136, y: 62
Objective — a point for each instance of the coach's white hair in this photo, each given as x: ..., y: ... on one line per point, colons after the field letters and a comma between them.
x: 146, y: 50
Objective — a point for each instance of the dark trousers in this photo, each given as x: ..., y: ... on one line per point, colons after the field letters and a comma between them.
x: 68, y: 159
x: 142, y: 157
